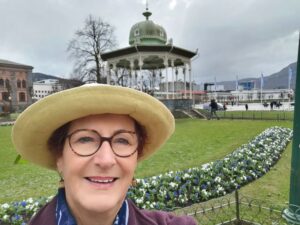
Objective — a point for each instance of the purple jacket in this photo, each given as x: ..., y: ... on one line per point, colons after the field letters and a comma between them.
x: 46, y: 216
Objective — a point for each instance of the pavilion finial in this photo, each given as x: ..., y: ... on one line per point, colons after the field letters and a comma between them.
x: 147, y: 14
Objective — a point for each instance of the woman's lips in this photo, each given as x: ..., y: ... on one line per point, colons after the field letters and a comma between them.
x: 102, y: 182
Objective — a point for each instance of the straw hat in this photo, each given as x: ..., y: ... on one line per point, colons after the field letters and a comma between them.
x: 36, y: 124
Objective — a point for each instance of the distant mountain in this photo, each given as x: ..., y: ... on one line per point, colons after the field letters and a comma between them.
x: 41, y: 76
x: 277, y: 80
x: 66, y: 83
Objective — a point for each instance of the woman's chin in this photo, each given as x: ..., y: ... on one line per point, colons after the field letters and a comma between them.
x: 101, y: 204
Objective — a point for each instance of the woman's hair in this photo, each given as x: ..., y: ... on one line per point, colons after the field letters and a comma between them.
x: 57, y: 140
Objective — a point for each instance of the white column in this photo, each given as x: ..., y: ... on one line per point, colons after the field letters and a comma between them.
x: 116, y: 74
x: 173, y: 84
x: 140, y: 66
x: 167, y: 80
x: 184, y: 79
x: 131, y: 73
x: 190, y: 78
x: 108, y: 73
x: 113, y: 69
x: 160, y: 78
x: 176, y: 77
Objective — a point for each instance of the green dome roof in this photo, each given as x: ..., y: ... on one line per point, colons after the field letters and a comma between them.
x: 147, y: 33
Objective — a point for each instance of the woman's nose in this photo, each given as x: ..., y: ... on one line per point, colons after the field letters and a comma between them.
x: 105, y: 156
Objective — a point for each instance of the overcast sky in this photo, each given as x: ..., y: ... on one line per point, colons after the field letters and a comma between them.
x: 233, y: 37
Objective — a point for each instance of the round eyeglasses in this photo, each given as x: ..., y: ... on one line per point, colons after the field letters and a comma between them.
x: 85, y: 142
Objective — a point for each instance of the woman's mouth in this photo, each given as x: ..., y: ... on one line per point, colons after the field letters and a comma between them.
x: 102, y: 182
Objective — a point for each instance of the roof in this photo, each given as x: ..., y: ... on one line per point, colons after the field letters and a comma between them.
x: 10, y: 64
x: 147, y: 32
x: 146, y: 48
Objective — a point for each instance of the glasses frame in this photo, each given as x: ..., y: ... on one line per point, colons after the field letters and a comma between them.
x: 102, y: 139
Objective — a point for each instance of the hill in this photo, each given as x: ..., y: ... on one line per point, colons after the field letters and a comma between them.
x: 41, y: 76
x: 277, y: 80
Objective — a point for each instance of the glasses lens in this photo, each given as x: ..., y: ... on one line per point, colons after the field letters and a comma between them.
x: 85, y: 142
x: 124, y: 144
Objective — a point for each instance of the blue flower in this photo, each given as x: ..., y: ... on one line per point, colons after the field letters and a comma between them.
x: 23, y: 203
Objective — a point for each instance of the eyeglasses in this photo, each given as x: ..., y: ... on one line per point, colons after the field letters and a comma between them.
x: 85, y: 142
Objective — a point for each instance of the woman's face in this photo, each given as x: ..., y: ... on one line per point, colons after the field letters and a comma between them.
x: 97, y: 183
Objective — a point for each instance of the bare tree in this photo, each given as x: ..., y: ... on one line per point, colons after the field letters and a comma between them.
x: 87, y: 46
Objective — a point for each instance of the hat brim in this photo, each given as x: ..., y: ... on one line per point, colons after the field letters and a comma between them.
x: 36, y: 124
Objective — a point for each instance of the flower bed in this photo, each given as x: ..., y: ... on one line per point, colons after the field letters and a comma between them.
x: 211, y: 180
x: 182, y: 188
x: 19, y: 213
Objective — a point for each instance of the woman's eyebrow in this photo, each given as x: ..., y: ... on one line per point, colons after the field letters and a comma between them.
x: 123, y: 131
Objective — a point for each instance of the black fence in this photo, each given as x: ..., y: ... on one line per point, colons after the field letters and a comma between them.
x: 238, y: 210
x: 257, y: 115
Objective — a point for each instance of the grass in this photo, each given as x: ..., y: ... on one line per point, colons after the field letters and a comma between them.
x: 195, y: 142
x: 274, y: 186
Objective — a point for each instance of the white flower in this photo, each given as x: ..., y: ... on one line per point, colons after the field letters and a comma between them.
x: 139, y: 200
x: 5, y: 206
x: 218, y: 179
x: 5, y: 217
x: 172, y: 184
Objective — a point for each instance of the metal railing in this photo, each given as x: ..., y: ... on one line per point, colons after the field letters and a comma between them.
x: 237, y: 210
x: 257, y: 115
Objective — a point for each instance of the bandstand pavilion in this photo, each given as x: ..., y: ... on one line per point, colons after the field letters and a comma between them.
x: 149, y: 51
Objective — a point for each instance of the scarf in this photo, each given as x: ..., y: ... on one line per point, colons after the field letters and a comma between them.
x: 64, y: 216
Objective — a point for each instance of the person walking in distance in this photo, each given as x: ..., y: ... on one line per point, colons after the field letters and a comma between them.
x: 213, y: 109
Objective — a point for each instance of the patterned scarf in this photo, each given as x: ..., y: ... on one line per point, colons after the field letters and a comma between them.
x: 64, y: 216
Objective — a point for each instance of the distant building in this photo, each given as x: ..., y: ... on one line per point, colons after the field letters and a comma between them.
x: 264, y: 95
x: 15, y: 86
x: 46, y: 87
x: 249, y: 85
x: 217, y: 87
x: 254, y: 95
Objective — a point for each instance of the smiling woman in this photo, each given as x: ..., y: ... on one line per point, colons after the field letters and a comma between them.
x: 94, y: 136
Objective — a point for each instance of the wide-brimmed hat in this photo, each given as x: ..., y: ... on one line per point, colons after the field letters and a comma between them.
x: 36, y: 124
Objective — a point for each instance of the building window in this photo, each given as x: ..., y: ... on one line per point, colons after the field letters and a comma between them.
x: 136, y: 32
x: 5, y: 96
x: 22, y: 97
x: 23, y: 83
x: 7, y: 84
x: 161, y: 33
x: 1, y: 83
x: 19, y: 84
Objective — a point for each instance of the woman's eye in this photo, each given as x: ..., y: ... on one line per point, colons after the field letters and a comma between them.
x: 85, y: 139
x: 122, y: 141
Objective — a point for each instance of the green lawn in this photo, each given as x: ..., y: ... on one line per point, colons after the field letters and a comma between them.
x: 195, y: 142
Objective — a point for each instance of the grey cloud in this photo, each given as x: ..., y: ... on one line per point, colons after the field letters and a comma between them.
x: 234, y: 37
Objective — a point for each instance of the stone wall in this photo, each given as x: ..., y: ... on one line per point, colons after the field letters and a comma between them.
x: 177, y: 104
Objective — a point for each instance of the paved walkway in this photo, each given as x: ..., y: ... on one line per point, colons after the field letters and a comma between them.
x: 7, y: 123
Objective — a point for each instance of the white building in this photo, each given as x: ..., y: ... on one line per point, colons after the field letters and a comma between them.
x: 252, y: 95
x: 217, y: 87
x: 46, y: 87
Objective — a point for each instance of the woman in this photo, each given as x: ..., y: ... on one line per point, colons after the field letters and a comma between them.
x: 94, y: 136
